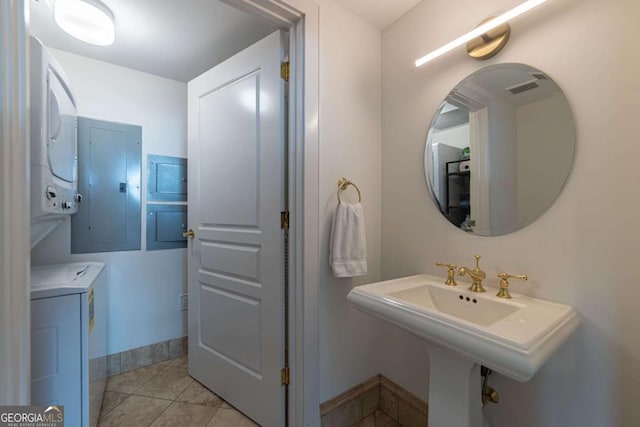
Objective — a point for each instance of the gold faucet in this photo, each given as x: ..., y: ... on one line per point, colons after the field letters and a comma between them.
x: 476, y: 275
x: 451, y: 278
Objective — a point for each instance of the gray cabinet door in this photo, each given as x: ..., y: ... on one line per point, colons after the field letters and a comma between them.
x: 166, y: 178
x: 56, y: 348
x: 109, y: 168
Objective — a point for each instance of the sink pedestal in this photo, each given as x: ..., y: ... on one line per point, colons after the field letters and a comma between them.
x: 454, y: 390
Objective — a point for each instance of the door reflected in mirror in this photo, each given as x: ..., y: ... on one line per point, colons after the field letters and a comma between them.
x: 499, y: 149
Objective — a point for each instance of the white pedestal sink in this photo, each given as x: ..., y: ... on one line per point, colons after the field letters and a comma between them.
x: 467, y: 329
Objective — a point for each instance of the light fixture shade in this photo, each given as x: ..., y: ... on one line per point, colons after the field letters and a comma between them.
x: 87, y: 20
x: 480, y: 30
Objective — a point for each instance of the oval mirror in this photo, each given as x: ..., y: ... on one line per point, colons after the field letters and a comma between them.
x: 499, y: 149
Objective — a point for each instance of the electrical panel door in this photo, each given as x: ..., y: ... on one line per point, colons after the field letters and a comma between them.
x: 109, y: 170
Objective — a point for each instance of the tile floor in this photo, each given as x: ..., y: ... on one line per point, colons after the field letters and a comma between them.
x: 165, y: 395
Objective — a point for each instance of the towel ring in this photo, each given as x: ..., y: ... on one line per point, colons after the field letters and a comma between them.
x: 343, y: 183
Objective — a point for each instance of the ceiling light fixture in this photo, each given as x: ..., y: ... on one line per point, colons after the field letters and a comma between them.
x: 87, y: 20
x: 481, y: 31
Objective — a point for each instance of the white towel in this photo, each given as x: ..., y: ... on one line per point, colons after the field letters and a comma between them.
x: 348, y: 245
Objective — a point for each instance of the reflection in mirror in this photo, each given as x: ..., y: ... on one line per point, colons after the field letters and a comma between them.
x: 499, y: 149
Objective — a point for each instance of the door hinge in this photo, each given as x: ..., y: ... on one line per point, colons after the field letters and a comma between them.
x: 284, y: 376
x: 284, y: 220
x: 284, y: 71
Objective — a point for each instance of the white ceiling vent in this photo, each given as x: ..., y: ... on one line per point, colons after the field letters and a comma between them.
x: 539, y: 76
x: 523, y: 87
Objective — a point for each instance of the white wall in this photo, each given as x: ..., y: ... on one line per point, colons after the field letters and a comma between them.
x: 583, y: 251
x: 349, y: 146
x: 143, y: 286
x: 457, y: 136
x: 545, y: 135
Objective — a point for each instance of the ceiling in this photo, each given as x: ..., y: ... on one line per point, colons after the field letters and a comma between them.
x: 498, y: 79
x: 180, y: 40
x: 379, y: 13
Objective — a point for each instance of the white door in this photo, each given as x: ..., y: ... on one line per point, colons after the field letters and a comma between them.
x: 236, y: 264
x: 479, y: 190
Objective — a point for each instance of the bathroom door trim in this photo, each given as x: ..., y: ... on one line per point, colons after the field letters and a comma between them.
x: 301, y: 19
x: 15, y: 314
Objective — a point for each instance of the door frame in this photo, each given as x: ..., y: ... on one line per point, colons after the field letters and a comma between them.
x: 15, y: 242
x: 301, y: 19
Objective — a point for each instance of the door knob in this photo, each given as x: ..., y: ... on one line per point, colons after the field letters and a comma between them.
x: 190, y: 234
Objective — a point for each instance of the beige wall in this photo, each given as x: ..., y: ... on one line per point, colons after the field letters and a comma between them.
x: 583, y: 251
x: 350, y: 146
x: 546, y: 136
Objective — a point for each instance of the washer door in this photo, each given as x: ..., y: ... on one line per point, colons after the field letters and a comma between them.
x: 62, y: 142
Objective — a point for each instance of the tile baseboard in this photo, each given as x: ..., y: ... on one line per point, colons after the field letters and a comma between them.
x: 119, y: 363
x: 376, y: 394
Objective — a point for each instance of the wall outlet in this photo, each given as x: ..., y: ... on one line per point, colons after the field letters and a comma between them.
x: 183, y: 301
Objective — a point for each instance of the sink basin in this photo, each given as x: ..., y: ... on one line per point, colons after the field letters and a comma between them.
x: 481, y: 311
x: 513, y: 337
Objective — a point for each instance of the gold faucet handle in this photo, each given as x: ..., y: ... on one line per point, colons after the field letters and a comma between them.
x: 477, y: 257
x: 451, y: 273
x: 442, y: 264
x: 504, y: 283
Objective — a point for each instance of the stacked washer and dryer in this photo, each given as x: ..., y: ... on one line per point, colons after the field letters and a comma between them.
x: 68, y: 301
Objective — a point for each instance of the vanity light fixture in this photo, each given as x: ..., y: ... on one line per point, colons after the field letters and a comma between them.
x: 495, y: 40
x: 87, y: 20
